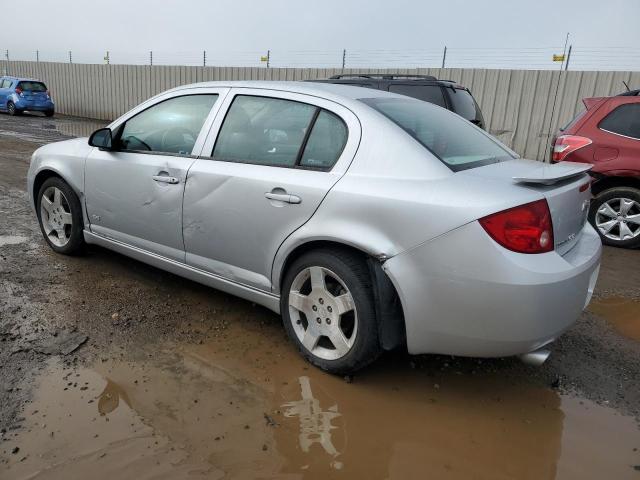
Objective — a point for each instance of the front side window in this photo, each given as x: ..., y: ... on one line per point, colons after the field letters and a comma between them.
x: 171, y: 126
x: 624, y: 120
x: 426, y: 93
x: 452, y: 139
x: 279, y: 133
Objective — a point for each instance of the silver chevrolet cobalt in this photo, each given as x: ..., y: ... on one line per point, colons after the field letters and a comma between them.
x: 368, y: 220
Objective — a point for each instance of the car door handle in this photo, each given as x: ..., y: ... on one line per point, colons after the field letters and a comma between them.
x: 166, y: 179
x: 283, y: 197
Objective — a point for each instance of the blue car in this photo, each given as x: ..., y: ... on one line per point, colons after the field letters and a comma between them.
x: 18, y: 95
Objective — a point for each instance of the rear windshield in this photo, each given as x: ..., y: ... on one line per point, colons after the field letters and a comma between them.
x: 464, y: 104
x: 456, y: 142
x: 32, y: 86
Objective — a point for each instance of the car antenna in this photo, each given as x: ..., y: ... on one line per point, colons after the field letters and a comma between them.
x: 626, y: 86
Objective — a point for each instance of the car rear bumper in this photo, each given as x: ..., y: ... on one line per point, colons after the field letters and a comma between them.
x: 34, y: 106
x: 463, y: 294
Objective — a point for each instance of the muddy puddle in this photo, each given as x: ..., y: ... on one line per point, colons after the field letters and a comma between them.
x: 244, y: 405
x: 622, y: 313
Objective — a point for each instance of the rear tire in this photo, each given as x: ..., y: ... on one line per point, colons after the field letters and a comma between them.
x: 328, y: 310
x: 57, y: 205
x: 615, y: 214
x: 49, y: 113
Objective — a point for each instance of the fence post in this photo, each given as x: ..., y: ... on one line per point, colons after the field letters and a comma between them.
x: 204, y: 58
x: 444, y: 56
x: 344, y: 58
x: 106, y: 58
x: 70, y: 57
x: 566, y: 65
x: 151, y: 58
x: 37, y: 56
x: 268, y: 58
x: 6, y: 67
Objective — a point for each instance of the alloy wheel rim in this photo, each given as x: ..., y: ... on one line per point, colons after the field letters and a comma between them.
x: 323, y: 313
x: 12, y: 108
x: 619, y: 219
x: 55, y: 214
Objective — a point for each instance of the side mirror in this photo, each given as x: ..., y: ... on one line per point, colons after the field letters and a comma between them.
x: 102, y: 139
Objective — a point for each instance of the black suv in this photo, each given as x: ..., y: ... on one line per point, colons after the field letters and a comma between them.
x: 445, y: 93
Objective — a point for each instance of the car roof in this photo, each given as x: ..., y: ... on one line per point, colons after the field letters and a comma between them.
x: 329, y: 91
x: 22, y: 79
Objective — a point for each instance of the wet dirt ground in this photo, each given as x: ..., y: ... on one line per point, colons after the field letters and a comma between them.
x: 113, y: 369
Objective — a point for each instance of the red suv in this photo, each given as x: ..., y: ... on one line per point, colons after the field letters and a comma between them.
x: 607, y: 135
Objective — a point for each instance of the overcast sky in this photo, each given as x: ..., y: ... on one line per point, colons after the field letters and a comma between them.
x: 184, y: 28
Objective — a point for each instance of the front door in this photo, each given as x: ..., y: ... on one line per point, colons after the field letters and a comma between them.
x: 134, y: 193
x: 273, y: 161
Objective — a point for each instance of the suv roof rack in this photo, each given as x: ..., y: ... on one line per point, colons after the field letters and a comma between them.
x: 384, y: 76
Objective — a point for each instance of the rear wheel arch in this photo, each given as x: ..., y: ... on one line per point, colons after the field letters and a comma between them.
x: 389, y: 311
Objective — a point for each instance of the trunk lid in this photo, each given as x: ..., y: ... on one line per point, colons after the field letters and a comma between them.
x: 564, y: 185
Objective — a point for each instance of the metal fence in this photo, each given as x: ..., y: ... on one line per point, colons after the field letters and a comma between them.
x: 519, y: 106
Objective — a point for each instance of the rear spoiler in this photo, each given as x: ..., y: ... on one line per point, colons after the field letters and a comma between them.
x: 548, y: 174
x: 589, y: 103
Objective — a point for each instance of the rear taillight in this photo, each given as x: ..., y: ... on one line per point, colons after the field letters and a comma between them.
x: 566, y: 144
x: 18, y: 90
x: 523, y: 229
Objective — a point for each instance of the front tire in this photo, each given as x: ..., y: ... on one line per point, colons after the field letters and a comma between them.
x: 328, y: 309
x: 615, y: 214
x: 11, y: 108
x: 60, y: 216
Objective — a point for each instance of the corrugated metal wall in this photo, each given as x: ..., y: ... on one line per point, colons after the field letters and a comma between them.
x: 517, y: 104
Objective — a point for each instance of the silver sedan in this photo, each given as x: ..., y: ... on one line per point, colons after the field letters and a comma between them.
x: 368, y: 220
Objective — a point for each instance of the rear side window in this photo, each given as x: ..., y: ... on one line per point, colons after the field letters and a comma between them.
x: 32, y: 86
x: 464, y: 104
x: 328, y: 138
x: 452, y: 139
x: 6, y: 83
x: 624, y: 120
x: 171, y: 126
x: 426, y: 93
x: 279, y: 133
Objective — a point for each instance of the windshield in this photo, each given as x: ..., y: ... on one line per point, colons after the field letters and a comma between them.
x: 456, y: 142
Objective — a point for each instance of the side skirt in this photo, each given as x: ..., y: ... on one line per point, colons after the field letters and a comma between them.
x: 268, y: 300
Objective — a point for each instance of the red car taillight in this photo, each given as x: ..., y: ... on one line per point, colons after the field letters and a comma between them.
x: 523, y: 229
x: 565, y: 144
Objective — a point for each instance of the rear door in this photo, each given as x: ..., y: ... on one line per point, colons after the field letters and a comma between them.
x: 616, y: 134
x: 267, y: 165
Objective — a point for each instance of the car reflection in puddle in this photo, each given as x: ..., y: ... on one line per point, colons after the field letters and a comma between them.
x: 245, y: 406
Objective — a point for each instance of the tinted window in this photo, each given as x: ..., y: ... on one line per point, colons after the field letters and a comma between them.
x: 32, y: 86
x: 449, y: 137
x: 427, y: 93
x: 624, y: 120
x: 264, y: 131
x: 463, y: 104
x: 171, y: 126
x: 325, y: 144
